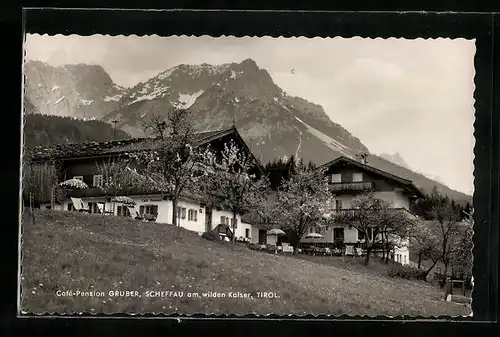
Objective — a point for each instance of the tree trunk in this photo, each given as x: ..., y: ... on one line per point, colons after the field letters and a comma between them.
x: 295, y: 244
x: 32, y: 209
x: 443, y: 282
x: 383, y: 246
x: 387, y: 256
x: 174, y: 212
x: 175, y: 217
x: 429, y: 270
x: 233, y: 227
x: 52, y: 198
x: 367, y: 256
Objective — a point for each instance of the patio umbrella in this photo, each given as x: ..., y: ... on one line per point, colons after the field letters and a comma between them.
x: 74, y: 183
x: 275, y: 231
x: 124, y: 200
x: 314, y: 236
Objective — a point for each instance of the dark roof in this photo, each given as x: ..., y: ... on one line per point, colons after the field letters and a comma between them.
x: 408, y: 183
x: 88, y: 149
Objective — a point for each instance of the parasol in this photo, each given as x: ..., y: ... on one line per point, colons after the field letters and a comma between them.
x: 314, y: 236
x: 123, y: 200
x: 275, y: 231
x: 74, y: 183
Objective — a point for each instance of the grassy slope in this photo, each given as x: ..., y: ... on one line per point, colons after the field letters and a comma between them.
x: 66, y: 250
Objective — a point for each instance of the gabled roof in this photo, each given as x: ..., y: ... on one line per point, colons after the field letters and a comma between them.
x: 116, y: 147
x: 407, y: 183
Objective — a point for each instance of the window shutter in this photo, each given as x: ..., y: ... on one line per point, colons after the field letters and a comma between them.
x: 222, y: 220
x: 141, y: 209
x: 183, y: 213
x: 155, y: 209
x: 195, y: 213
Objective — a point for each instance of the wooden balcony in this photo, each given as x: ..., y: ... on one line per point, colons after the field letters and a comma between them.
x: 358, y: 186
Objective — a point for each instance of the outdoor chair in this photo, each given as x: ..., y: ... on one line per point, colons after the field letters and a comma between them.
x: 79, y: 205
x: 137, y: 216
x: 102, y: 208
x: 287, y: 248
x: 349, y: 250
x: 337, y: 252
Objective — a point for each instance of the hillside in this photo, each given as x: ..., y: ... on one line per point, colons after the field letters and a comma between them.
x: 79, y: 252
x: 49, y: 130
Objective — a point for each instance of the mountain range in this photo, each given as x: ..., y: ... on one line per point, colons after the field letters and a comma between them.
x: 273, y: 123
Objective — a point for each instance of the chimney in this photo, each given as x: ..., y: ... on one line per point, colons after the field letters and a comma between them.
x: 363, y: 157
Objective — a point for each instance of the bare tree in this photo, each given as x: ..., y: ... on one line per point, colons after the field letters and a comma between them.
x: 425, y: 242
x: 304, y: 201
x: 155, y: 125
x: 171, y: 166
x: 118, y: 177
x: 374, y: 218
x: 229, y: 182
x: 447, y: 228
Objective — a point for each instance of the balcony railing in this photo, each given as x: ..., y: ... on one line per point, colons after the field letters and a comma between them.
x: 361, y: 186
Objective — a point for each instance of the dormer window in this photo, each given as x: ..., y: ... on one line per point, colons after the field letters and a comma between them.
x: 336, y: 178
x: 357, y: 177
x: 97, y: 180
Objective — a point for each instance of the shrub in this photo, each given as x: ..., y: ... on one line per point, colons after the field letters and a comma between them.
x: 211, y: 235
x: 407, y: 272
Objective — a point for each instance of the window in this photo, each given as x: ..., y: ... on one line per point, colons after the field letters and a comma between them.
x: 234, y: 222
x: 357, y: 177
x: 311, y: 230
x: 361, y: 235
x: 192, y: 215
x: 93, y: 207
x: 181, y: 212
x: 123, y: 211
x: 148, y: 209
x: 97, y: 180
x: 338, y: 233
x: 224, y: 220
x: 70, y: 207
x: 338, y: 204
x: 336, y: 178
x: 247, y: 233
x: 78, y: 177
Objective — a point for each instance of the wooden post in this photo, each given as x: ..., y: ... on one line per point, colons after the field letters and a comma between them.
x: 52, y: 198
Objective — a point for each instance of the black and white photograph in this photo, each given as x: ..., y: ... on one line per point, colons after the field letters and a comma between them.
x: 247, y: 175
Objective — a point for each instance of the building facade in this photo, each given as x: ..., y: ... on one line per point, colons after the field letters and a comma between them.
x: 349, y: 178
x: 81, y: 161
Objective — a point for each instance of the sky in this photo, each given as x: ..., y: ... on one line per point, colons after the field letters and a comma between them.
x: 414, y: 97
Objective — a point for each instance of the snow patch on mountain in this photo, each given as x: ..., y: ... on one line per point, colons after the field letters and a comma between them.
x: 59, y: 100
x: 115, y: 98
x: 187, y: 100
x: 86, y: 102
x: 327, y: 140
x: 163, y: 75
x: 235, y: 74
x: 156, y: 93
